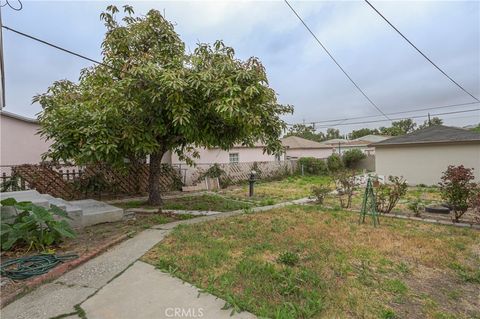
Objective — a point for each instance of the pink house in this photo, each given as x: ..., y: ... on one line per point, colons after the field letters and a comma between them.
x: 20, y: 143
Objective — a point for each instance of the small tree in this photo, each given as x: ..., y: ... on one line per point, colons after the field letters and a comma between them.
x: 334, y: 163
x: 150, y: 96
x: 388, y: 194
x: 457, y: 188
x: 320, y: 192
x: 345, y: 183
x: 352, y: 157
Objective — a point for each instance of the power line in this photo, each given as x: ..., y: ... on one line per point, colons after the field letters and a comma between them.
x: 394, y: 113
x: 400, y: 118
x: 19, y: 8
x: 334, y: 60
x: 59, y: 48
x: 419, y: 51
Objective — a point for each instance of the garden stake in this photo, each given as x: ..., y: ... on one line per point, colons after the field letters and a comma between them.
x: 369, y: 205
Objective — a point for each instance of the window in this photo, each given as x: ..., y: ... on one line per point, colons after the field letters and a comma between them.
x: 233, y: 157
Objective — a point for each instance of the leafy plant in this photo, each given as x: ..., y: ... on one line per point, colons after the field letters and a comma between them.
x: 33, y: 225
x: 388, y: 194
x: 12, y: 184
x: 457, y: 188
x: 288, y: 258
x: 151, y: 96
x: 416, y: 207
x: 334, y: 163
x: 320, y: 192
x: 312, y: 165
x: 352, y: 157
x: 345, y: 183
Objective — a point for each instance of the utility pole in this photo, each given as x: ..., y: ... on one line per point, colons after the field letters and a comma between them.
x: 429, y: 121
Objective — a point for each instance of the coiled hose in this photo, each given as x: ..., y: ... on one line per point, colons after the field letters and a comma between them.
x: 26, y: 267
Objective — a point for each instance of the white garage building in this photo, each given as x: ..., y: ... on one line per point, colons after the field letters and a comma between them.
x: 421, y: 157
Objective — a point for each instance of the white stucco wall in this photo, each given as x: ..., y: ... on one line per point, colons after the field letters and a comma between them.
x: 20, y: 143
x: 425, y: 164
x: 210, y: 156
x: 309, y: 152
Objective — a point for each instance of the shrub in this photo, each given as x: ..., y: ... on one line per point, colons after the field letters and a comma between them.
x: 345, y: 183
x: 388, y: 195
x: 35, y: 226
x: 288, y: 258
x: 320, y: 192
x: 312, y: 165
x: 352, y: 157
x: 416, y: 206
x: 457, y: 188
x: 475, y: 203
x: 334, y: 163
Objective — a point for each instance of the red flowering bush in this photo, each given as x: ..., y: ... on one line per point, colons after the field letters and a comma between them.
x: 457, y: 188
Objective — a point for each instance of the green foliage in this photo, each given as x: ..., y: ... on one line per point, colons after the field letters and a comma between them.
x: 288, y: 258
x: 334, y: 163
x: 312, y: 165
x: 305, y: 131
x: 345, y: 183
x: 457, y: 188
x: 352, y: 157
x: 476, y: 129
x: 150, y: 96
x: 320, y: 192
x: 433, y: 121
x: 362, y: 132
x: 416, y: 206
x: 398, y: 128
x: 11, y: 185
x: 388, y: 194
x: 332, y: 133
x: 35, y: 226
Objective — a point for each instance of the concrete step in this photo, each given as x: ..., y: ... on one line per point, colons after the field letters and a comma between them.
x: 95, y: 212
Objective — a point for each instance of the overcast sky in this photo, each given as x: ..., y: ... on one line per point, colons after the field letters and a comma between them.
x: 395, y: 76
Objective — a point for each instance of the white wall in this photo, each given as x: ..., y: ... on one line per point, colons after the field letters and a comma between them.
x: 20, y: 143
x: 216, y: 155
x: 425, y: 164
x: 309, y: 152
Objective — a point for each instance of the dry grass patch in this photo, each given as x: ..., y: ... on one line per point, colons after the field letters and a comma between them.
x: 343, y: 270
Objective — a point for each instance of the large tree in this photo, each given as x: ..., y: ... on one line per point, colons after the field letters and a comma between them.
x: 362, y: 132
x: 305, y: 131
x: 400, y: 127
x: 431, y: 122
x: 149, y: 96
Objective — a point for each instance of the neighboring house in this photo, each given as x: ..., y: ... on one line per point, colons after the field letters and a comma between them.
x: 296, y: 147
x: 20, y: 143
x: 237, y: 154
x: 372, y: 138
x: 421, y: 157
x: 340, y: 146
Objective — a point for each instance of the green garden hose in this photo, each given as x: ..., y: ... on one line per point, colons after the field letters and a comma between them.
x: 26, y: 267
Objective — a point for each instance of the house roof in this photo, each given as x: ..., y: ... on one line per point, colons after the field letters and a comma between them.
x: 18, y: 117
x: 372, y: 138
x: 293, y: 142
x: 433, y: 134
x: 335, y: 141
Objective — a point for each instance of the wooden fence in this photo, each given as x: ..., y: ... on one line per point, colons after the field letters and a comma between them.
x: 70, y: 182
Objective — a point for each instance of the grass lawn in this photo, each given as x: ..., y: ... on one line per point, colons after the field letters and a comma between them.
x: 305, y: 262
x: 205, y: 202
x: 268, y: 193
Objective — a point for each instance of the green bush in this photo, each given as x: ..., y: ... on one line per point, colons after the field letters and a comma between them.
x: 334, y: 163
x: 416, y: 207
x: 34, y: 226
x: 312, y: 165
x: 320, y: 192
x: 388, y: 195
x: 352, y: 157
x: 288, y: 258
x: 457, y: 188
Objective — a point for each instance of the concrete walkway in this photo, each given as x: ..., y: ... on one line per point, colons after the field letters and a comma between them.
x: 116, y: 285
x: 145, y: 292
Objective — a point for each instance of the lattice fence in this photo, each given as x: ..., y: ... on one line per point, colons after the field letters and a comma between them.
x: 68, y: 182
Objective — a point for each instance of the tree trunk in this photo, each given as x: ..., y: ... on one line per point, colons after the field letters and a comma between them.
x: 155, y: 167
